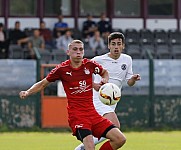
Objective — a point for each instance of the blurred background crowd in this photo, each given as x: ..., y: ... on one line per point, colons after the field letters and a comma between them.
x: 94, y: 34
x: 49, y: 26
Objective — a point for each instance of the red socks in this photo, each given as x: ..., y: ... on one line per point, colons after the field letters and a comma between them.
x: 106, y: 146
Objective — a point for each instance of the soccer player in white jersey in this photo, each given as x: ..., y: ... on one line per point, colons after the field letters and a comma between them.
x: 119, y: 67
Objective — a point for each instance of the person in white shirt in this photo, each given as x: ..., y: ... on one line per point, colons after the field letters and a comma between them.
x: 96, y: 42
x: 64, y: 40
x: 119, y: 67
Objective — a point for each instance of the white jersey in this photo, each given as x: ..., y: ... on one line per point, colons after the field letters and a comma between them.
x: 120, y: 70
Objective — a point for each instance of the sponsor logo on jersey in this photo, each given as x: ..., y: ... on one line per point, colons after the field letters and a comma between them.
x: 81, y: 89
x: 123, y: 66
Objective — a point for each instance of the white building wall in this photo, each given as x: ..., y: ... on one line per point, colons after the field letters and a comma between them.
x: 51, y: 21
x: 165, y: 24
x: 2, y: 20
x: 125, y: 23
x: 122, y: 23
x: 25, y: 22
x: 34, y: 22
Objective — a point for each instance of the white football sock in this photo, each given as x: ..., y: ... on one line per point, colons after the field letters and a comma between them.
x: 96, y: 141
x: 80, y: 147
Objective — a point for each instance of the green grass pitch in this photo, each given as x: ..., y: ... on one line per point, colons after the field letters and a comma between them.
x: 168, y: 140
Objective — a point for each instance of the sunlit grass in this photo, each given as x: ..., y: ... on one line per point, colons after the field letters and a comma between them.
x: 65, y: 141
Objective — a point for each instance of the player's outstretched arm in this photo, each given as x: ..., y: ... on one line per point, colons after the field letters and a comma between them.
x: 34, y: 89
x: 134, y: 78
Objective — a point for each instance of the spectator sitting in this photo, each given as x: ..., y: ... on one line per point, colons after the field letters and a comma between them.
x: 16, y: 33
x: 4, y: 43
x: 47, y: 35
x: 104, y: 26
x: 89, y: 26
x: 96, y: 42
x: 33, y: 41
x: 60, y: 27
x: 63, y: 41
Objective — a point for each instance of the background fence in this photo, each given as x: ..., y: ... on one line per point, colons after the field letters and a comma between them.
x: 139, y: 106
x: 137, y: 111
x: 16, y: 113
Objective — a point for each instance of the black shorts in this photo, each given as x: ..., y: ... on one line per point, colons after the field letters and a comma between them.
x: 82, y: 133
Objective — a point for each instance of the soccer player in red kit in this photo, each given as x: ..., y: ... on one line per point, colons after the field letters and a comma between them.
x: 76, y: 76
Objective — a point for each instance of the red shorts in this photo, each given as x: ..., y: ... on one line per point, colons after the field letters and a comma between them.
x: 95, y: 123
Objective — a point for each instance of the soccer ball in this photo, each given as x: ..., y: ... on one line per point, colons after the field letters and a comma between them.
x: 109, y: 94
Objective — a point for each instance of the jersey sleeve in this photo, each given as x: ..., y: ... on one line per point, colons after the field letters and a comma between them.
x: 97, y: 67
x: 97, y: 59
x: 129, y: 71
x: 96, y: 77
x: 54, y: 74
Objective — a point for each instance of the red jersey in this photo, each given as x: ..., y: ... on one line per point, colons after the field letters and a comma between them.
x: 77, y: 83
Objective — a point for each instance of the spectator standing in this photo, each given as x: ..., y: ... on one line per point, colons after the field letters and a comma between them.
x: 89, y: 27
x: 60, y: 27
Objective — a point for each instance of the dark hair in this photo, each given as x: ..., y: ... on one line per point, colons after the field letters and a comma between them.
x: 116, y: 35
x: 42, y: 21
x: 89, y: 15
x: 17, y: 22
x: 1, y: 24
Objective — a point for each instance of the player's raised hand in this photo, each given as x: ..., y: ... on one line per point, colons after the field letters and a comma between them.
x: 23, y: 94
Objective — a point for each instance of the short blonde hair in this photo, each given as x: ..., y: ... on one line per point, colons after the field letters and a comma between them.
x: 75, y: 41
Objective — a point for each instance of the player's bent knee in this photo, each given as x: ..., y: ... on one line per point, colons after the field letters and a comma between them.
x: 120, y: 140
x: 123, y: 140
x: 116, y: 137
